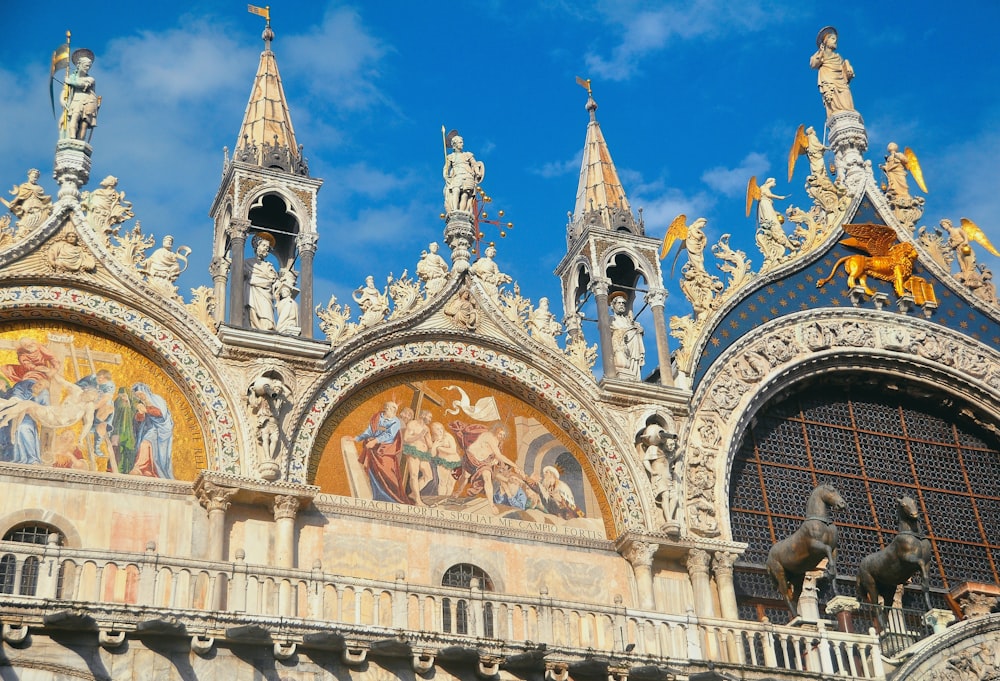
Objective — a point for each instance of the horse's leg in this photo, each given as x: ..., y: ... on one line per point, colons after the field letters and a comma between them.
x: 926, y: 583
x: 778, y: 574
x: 797, y: 582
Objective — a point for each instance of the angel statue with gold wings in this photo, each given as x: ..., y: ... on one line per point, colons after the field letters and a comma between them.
x: 960, y: 241
x: 692, y: 237
x: 807, y: 143
x: 895, y: 168
x: 771, y: 238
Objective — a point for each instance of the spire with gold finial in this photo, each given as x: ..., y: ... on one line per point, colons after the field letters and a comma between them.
x: 267, y: 137
x: 600, y: 196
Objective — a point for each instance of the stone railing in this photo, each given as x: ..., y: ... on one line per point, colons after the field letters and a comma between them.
x: 299, y: 601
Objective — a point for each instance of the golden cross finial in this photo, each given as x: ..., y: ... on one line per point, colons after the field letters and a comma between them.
x: 585, y: 84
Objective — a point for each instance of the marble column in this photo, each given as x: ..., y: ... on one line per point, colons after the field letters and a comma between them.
x: 216, y: 500
x: 306, y: 245
x: 722, y: 565
x: 656, y: 298
x: 219, y: 270
x: 285, y: 509
x: 640, y: 556
x: 697, y: 565
x: 601, y: 286
x: 237, y: 233
x: 843, y: 608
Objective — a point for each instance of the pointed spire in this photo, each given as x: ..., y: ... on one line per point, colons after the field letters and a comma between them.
x: 600, y: 196
x: 267, y: 137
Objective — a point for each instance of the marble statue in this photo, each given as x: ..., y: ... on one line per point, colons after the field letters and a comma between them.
x: 977, y: 277
x: 79, y: 99
x: 626, y: 339
x: 286, y: 306
x: 165, y: 265
x: 463, y: 310
x: 485, y: 268
x: 260, y: 277
x: 771, y: 237
x: 432, y: 270
x: 692, y: 236
x: 543, y: 325
x: 67, y: 255
x: 835, y: 72
x: 30, y: 204
x: 374, y: 304
x: 462, y: 174
x: 660, y: 457
x: 106, y: 207
x: 807, y: 143
x: 264, y: 397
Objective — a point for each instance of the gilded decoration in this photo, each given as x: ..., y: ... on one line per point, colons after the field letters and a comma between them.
x: 70, y: 398
x: 450, y: 445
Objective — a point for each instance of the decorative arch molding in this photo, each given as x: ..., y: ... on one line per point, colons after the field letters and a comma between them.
x: 642, y: 263
x: 963, y: 651
x: 45, y: 516
x: 793, y: 348
x: 613, y: 465
x: 175, y: 354
x: 294, y: 203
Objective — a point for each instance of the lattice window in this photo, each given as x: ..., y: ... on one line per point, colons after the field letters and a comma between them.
x: 455, y: 614
x: 30, y: 533
x: 873, y: 445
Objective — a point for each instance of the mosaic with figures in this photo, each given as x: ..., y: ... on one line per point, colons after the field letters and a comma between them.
x: 70, y: 398
x: 455, y: 447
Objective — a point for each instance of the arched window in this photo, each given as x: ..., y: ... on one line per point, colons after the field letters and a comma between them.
x: 27, y: 581
x: 455, y: 614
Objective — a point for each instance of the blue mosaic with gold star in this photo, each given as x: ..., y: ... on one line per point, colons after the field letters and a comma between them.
x: 798, y: 291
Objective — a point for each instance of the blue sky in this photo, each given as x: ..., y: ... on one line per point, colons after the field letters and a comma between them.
x: 693, y: 98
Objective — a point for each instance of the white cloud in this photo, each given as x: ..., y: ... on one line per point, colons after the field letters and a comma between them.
x: 733, y: 181
x: 660, y: 207
x: 560, y: 168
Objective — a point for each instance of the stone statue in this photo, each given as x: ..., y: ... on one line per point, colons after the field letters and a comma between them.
x: 660, y: 457
x: 771, y: 237
x: 432, y: 270
x: 286, y: 306
x: 462, y: 174
x: 106, y: 207
x: 626, y: 339
x: 374, y: 304
x: 67, y: 255
x: 260, y: 277
x: 265, y: 398
x: 79, y: 99
x: 835, y: 72
x: 486, y: 269
x: 463, y: 310
x: 30, y: 205
x: 692, y: 236
x: 543, y: 325
x: 164, y: 265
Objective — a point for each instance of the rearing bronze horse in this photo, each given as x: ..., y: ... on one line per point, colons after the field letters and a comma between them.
x: 907, y: 554
x: 790, y: 559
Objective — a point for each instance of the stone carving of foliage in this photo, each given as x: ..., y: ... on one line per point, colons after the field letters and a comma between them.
x: 404, y: 293
x: 333, y: 321
x: 202, y: 307
x: 132, y: 246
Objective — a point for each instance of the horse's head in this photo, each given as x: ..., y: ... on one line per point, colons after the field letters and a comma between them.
x: 907, y: 508
x: 831, y: 497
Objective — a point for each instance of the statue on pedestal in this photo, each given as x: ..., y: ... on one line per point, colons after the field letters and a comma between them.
x: 79, y: 99
x: 462, y: 174
x: 260, y: 277
x: 626, y: 339
x: 835, y: 72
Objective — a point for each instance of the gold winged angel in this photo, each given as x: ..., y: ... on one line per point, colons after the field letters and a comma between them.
x: 886, y: 260
x: 692, y: 237
x: 960, y: 240
x: 896, y: 165
x: 806, y: 143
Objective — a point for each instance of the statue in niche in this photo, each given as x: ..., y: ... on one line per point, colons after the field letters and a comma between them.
x: 835, y: 73
x: 286, y: 306
x: 626, y: 339
x: 543, y: 325
x: 485, y: 268
x: 260, y: 277
x: 658, y: 449
x: 67, y: 255
x: 462, y: 174
x: 30, y: 204
x: 432, y: 270
x: 79, y: 99
x: 374, y: 304
x: 106, y: 207
x: 463, y: 310
x: 266, y: 398
x: 164, y: 266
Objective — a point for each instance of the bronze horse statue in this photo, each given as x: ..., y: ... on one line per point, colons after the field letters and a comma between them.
x: 790, y: 559
x: 907, y: 554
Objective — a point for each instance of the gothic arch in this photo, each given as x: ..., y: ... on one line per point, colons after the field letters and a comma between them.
x: 607, y: 450
x: 804, y: 345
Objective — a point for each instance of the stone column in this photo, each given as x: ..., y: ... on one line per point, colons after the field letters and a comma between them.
x: 219, y: 269
x: 306, y: 245
x: 656, y: 299
x: 722, y: 565
x: 849, y: 141
x: 697, y: 566
x: 237, y: 233
x: 640, y: 556
x: 809, y: 598
x: 600, y: 286
x: 285, y: 509
x: 459, y: 235
x: 72, y: 167
x: 216, y: 501
x: 843, y: 608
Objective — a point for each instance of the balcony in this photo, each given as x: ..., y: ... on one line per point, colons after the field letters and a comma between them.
x: 120, y: 594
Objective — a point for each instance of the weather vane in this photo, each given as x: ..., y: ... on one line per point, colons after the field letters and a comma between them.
x: 264, y: 11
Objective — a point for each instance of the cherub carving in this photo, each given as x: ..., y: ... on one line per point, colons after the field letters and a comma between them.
x: 886, y: 260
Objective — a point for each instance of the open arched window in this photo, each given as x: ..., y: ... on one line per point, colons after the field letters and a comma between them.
x: 456, y: 616
x: 24, y: 579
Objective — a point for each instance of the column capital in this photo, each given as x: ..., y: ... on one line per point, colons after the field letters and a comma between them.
x: 285, y: 507
x: 656, y: 297
x: 698, y: 562
x: 237, y: 228
x: 639, y: 554
x: 722, y: 563
x: 839, y: 604
x: 600, y: 286
x: 219, y: 268
x: 306, y: 241
x: 215, y: 497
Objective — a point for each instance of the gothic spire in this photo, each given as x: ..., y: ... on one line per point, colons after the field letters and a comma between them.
x: 600, y: 196
x: 267, y: 137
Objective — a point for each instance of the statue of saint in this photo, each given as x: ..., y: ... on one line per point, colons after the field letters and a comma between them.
x: 67, y: 255
x: 543, y: 325
x: 485, y: 268
x: 79, y: 99
x: 626, y: 339
x: 432, y: 269
x: 164, y: 265
x: 30, y: 204
x: 374, y: 304
x: 835, y: 72
x: 286, y: 306
x: 462, y: 173
x: 260, y: 277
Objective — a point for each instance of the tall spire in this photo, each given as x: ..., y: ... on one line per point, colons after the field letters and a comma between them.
x: 267, y: 137
x: 600, y: 196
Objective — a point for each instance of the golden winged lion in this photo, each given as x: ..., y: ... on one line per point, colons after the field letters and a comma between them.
x: 886, y: 260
